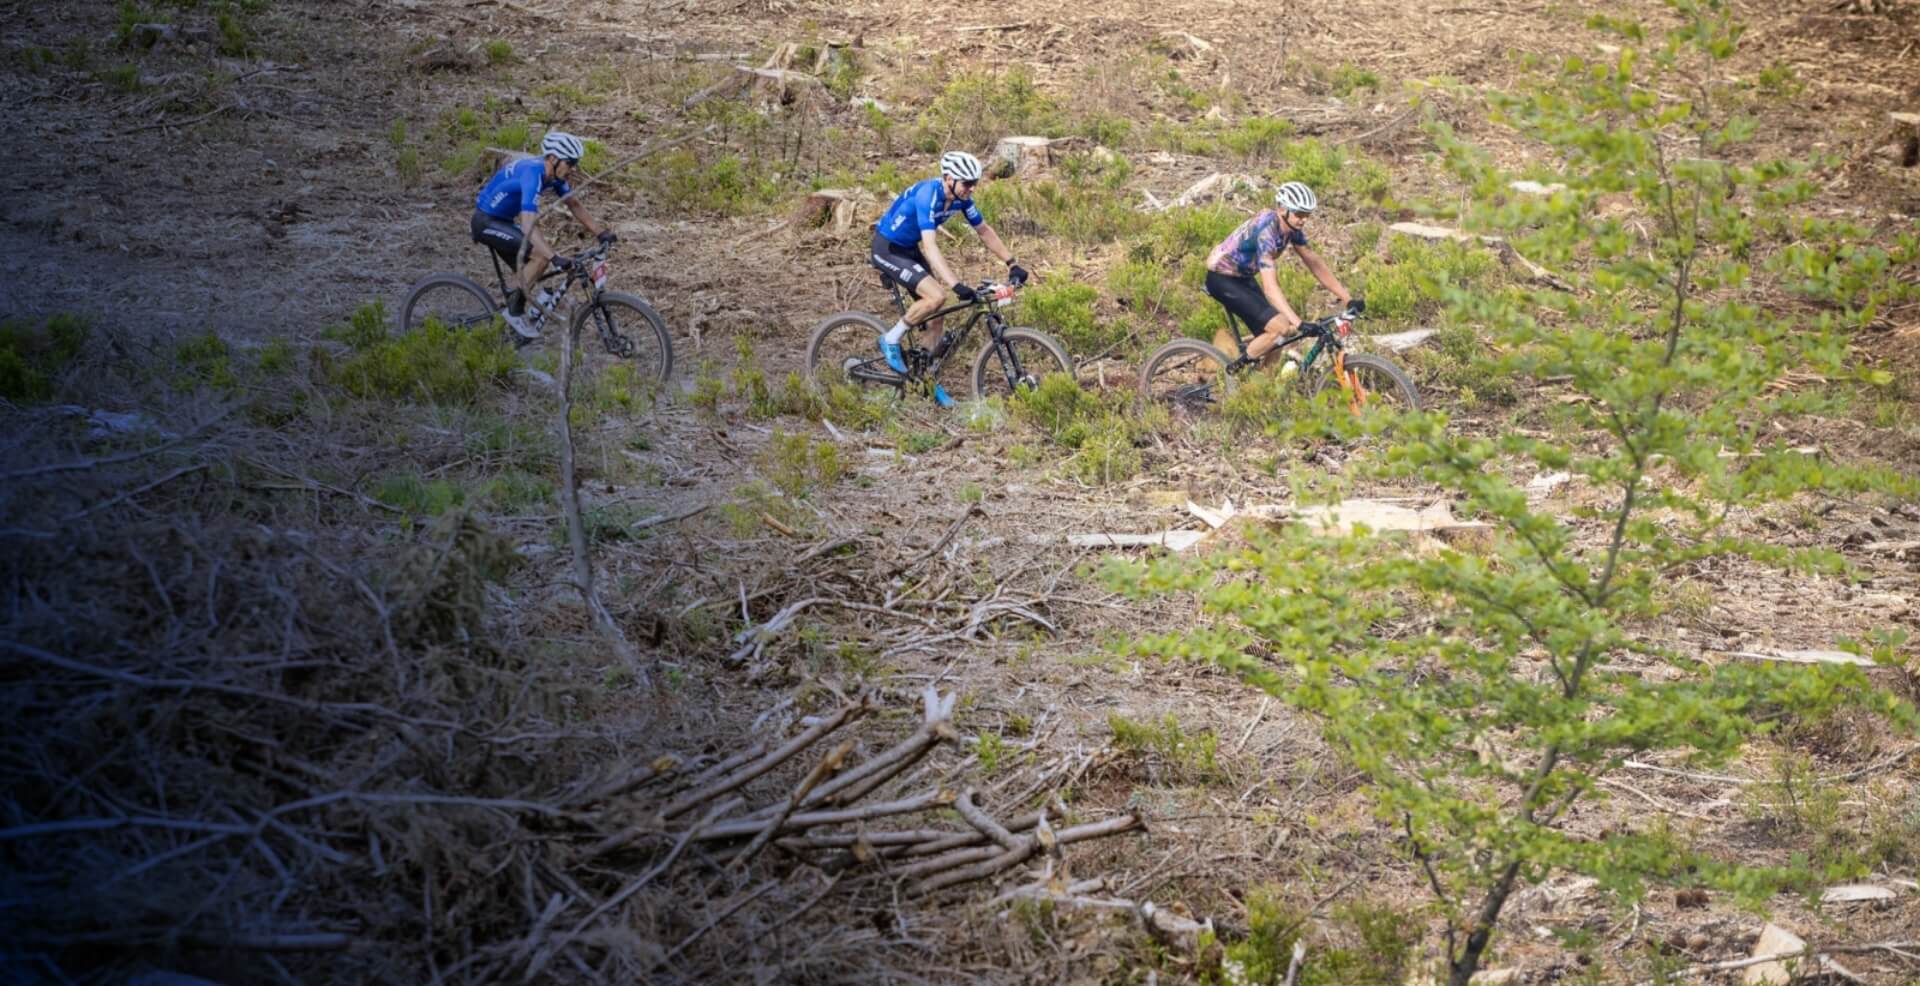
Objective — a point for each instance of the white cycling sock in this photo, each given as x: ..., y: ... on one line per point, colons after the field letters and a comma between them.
x: 897, y: 333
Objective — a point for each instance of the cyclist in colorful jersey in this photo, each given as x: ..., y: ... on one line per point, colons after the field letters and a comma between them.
x: 906, y: 249
x: 505, y: 210
x: 1240, y: 271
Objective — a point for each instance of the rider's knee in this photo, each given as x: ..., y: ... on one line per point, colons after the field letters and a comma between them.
x: 933, y: 294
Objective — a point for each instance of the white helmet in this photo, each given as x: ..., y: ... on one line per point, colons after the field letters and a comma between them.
x: 564, y: 146
x: 960, y: 165
x: 1295, y: 197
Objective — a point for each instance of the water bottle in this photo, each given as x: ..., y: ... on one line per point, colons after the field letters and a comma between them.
x: 1289, y: 368
x: 544, y: 300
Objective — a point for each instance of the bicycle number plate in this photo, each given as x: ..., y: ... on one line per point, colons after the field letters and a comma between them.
x: 1003, y: 297
x: 599, y: 275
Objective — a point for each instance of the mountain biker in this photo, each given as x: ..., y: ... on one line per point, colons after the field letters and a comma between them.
x: 505, y: 210
x: 906, y: 250
x: 1240, y: 271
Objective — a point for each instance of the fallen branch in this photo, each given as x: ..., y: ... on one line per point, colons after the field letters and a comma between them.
x: 952, y: 529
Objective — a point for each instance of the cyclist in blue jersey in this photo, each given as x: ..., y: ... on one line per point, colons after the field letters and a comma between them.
x: 505, y: 210
x: 907, y: 250
x: 1240, y: 270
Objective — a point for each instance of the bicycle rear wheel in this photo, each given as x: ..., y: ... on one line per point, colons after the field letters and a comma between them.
x: 1372, y: 382
x: 629, y: 330
x: 1035, y: 355
x: 842, y: 349
x: 1187, y: 376
x: 454, y: 300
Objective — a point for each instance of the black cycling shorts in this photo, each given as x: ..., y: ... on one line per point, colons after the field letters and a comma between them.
x: 906, y: 266
x: 1243, y: 297
x: 502, y: 236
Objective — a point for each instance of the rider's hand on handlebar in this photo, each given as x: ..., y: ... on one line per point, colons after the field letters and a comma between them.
x: 562, y: 263
x: 1017, y: 275
x: 608, y: 236
x: 964, y: 291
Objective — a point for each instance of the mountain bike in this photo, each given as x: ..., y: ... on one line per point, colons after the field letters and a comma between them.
x: 1014, y: 359
x: 1193, y: 376
x: 627, y: 326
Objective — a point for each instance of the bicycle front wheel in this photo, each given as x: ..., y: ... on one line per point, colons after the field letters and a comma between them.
x: 453, y: 300
x: 843, y: 349
x: 1025, y: 358
x: 1372, y: 382
x: 1187, y: 376
x: 629, y: 330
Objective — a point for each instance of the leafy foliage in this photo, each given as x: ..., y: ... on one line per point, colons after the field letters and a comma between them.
x: 1493, y: 706
x: 34, y: 353
x: 433, y: 364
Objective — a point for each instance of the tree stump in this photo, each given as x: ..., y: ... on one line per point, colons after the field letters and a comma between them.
x: 1020, y: 156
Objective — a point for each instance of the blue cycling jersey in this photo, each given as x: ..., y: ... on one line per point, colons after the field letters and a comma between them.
x: 921, y: 209
x: 516, y: 188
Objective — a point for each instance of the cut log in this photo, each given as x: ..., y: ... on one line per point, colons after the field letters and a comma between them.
x: 1507, y: 253
x: 1176, y: 540
x: 1535, y: 188
x: 1342, y: 518
x: 1215, y: 186
x: 1805, y: 657
x: 1854, y: 893
x: 1400, y: 342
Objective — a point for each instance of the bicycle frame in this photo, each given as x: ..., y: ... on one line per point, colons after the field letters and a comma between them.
x: 923, y: 363
x: 1320, y: 332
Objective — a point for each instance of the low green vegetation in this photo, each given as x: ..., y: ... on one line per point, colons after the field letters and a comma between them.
x: 1192, y: 756
x: 35, y: 353
x: 1102, y: 430
x: 976, y: 110
x: 434, y: 364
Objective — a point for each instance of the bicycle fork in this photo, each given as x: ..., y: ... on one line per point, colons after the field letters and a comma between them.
x: 1349, y: 383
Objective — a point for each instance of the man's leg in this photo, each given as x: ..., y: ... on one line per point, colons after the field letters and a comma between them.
x: 1269, y: 337
x: 932, y: 296
x: 536, y: 267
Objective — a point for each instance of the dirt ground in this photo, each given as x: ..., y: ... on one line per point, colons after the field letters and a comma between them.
x: 268, y: 205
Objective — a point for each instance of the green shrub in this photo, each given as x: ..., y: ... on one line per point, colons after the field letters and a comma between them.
x: 1337, y: 174
x: 1346, y: 78
x: 499, y: 51
x: 418, y: 496
x: 1064, y: 307
x: 33, y: 353
x: 1195, y: 756
x: 1087, y: 211
x: 797, y: 465
x: 726, y: 184
x: 433, y: 363
x: 120, y: 78
x: 204, y: 360
x: 973, y: 111
x: 514, y: 491
x: 1257, y: 137
x: 1106, y: 129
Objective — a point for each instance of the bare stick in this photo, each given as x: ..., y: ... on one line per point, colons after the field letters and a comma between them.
x: 763, y: 890
x: 841, y: 816
x: 546, y: 955
x: 985, y: 823
x: 771, y: 760
x: 1006, y: 860
x: 194, y: 685
x: 577, y: 529
x: 827, y: 765
x: 936, y: 725
x: 952, y: 529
